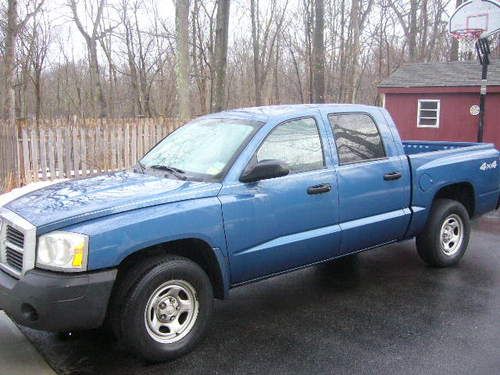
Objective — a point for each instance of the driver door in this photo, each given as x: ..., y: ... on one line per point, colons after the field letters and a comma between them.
x: 285, y: 222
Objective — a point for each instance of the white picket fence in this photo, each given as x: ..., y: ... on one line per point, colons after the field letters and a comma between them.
x: 55, y: 149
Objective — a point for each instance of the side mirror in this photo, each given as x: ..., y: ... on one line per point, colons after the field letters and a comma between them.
x: 264, y: 170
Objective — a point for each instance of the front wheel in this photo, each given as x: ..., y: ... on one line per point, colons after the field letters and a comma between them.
x: 446, y: 235
x: 166, y: 312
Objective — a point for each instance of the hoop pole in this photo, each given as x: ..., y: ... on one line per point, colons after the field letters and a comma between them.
x: 483, y: 52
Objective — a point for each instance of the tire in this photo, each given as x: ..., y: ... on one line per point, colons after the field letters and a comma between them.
x: 445, y: 238
x: 162, y: 309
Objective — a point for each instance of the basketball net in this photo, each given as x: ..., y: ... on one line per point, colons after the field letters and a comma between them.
x: 467, y: 39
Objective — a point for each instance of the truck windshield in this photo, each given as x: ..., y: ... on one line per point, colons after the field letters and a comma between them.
x: 201, y: 149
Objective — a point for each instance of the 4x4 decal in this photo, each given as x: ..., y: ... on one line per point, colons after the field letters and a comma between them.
x: 485, y: 166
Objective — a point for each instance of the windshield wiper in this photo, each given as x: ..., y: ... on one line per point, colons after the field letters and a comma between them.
x: 179, y: 173
x: 139, y: 168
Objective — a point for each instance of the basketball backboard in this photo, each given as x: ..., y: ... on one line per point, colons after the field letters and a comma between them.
x: 480, y: 18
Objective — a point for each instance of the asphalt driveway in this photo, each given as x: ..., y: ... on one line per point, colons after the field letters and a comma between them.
x: 382, y: 312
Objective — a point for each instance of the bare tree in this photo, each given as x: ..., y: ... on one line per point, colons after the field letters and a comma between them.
x: 422, y: 25
x: 220, y: 54
x: 39, y: 38
x: 308, y: 8
x: 319, y: 53
x: 408, y: 21
x: 359, y: 14
x: 9, y: 171
x: 130, y: 48
x: 182, y: 58
x: 106, y: 43
x: 91, y: 39
x: 198, y: 57
x: 264, y: 41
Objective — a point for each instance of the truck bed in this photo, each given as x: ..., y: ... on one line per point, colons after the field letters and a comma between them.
x: 435, y: 164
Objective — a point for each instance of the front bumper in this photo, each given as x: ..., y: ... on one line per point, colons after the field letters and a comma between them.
x: 57, y: 302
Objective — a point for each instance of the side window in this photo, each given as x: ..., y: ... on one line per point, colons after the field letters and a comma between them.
x: 297, y: 143
x: 357, y: 137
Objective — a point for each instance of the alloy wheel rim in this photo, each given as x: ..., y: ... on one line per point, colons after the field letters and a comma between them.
x: 171, y: 311
x: 451, y: 234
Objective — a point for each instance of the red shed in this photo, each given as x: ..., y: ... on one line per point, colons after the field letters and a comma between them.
x: 434, y: 101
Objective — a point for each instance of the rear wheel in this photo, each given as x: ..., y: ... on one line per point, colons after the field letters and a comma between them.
x: 166, y: 311
x: 445, y: 238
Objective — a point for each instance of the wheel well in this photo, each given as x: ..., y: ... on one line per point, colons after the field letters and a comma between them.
x: 194, y: 249
x: 462, y: 192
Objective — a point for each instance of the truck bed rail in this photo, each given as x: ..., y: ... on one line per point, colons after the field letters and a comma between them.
x: 417, y: 147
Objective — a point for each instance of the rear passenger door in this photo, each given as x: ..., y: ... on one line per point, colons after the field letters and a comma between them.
x: 373, y: 182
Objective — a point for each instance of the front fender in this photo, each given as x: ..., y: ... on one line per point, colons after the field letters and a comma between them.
x: 114, y: 237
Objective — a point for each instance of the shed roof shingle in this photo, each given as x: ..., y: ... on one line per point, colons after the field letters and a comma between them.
x: 442, y: 74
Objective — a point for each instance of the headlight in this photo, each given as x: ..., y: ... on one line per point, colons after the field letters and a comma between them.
x: 62, y: 251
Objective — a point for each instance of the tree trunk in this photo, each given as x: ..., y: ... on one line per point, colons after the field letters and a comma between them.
x: 91, y: 42
x: 106, y: 46
x: 276, y: 86
x: 342, y: 53
x: 221, y: 34
x: 197, y: 56
x: 94, y: 66
x: 352, y: 58
x: 424, y: 25
x: 319, y: 53
x: 308, y: 19
x: 182, y: 58
x: 412, y: 36
x: 134, y: 81
x: 256, y: 58
x: 297, y: 73
x: 8, y: 141
x: 38, y: 96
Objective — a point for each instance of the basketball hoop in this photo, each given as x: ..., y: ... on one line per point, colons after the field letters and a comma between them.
x: 467, y: 34
x: 473, y: 21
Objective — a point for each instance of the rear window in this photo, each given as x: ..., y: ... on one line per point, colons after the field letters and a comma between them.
x: 357, y: 137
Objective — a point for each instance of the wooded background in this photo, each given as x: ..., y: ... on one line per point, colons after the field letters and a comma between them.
x: 152, y: 58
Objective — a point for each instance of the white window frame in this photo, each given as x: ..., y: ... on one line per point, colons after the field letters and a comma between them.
x: 438, y: 112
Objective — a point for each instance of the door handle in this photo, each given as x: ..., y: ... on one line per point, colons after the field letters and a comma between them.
x: 319, y: 189
x: 392, y: 176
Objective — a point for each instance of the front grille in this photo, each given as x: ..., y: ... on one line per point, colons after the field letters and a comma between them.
x: 15, y: 236
x: 14, y: 258
x: 14, y: 248
x: 17, y: 243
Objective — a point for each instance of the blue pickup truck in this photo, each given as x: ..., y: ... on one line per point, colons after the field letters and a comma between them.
x: 227, y: 199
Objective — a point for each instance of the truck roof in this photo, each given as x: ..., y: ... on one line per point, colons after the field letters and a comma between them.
x: 264, y: 113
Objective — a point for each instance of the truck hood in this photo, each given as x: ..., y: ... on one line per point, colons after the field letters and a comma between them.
x: 75, y: 201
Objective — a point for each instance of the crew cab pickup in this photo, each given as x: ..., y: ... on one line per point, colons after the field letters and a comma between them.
x: 227, y: 199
